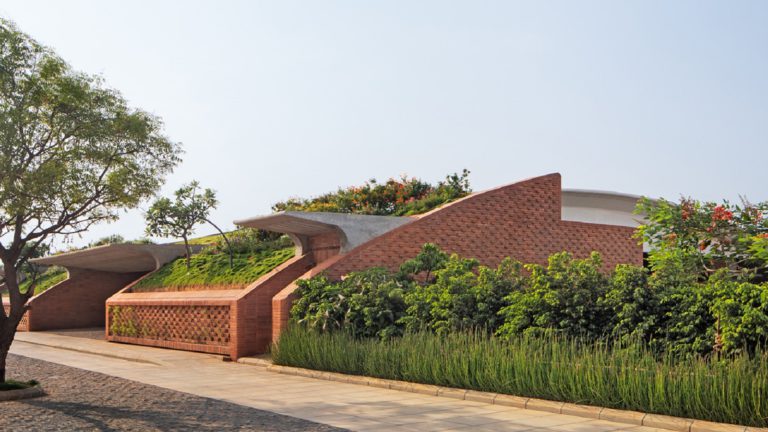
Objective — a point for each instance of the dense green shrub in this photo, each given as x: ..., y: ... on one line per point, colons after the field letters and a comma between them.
x: 612, y: 374
x: 431, y: 291
x: 565, y: 295
x: 633, y: 306
x: 462, y: 296
x: 406, y: 196
x: 741, y: 313
x: 367, y: 303
x: 248, y: 241
x: 669, y: 310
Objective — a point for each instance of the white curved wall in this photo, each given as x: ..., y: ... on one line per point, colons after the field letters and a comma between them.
x: 608, y: 208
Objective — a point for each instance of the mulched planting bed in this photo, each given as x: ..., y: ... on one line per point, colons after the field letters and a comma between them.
x: 80, y: 400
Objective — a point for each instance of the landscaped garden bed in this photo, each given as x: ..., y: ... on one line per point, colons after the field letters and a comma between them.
x: 548, y: 367
x: 193, y: 308
x: 684, y: 337
x: 396, y: 197
x: 210, y: 269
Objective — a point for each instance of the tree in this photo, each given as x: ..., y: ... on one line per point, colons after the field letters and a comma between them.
x: 177, y: 218
x: 73, y: 154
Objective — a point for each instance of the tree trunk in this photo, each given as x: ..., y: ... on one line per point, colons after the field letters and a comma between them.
x: 229, y: 246
x: 7, y: 333
x: 9, y: 322
x: 3, y: 355
x: 186, y: 246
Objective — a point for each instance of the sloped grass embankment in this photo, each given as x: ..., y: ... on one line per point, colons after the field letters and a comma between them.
x: 733, y: 390
x: 212, y: 270
x: 46, y: 280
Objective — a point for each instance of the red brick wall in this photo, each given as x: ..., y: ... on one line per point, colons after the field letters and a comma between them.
x: 78, y: 301
x: 521, y: 221
x: 251, y: 319
x: 324, y: 246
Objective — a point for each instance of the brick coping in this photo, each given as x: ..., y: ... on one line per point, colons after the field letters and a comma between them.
x: 587, y: 411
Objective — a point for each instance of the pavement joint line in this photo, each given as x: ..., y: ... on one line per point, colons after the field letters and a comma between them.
x: 91, y: 352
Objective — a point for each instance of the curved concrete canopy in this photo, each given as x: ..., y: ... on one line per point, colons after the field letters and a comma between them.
x: 117, y: 258
x: 578, y: 205
x: 353, y: 229
x: 600, y: 207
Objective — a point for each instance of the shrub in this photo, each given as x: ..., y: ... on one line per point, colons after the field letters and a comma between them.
x: 633, y: 305
x: 741, y: 313
x: 463, y: 296
x: 707, y: 235
x: 565, y: 295
x: 367, y: 303
x: 405, y: 196
x: 669, y: 310
x: 249, y: 241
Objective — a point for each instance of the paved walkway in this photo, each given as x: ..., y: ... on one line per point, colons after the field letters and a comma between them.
x: 351, y: 406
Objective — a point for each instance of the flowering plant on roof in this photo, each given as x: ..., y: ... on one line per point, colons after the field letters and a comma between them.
x: 398, y: 197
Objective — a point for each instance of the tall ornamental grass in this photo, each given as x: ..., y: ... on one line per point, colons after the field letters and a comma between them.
x: 733, y: 390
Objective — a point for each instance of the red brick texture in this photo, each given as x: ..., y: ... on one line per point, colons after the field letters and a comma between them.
x: 521, y: 220
x: 235, y: 322
x: 76, y: 302
x: 251, y: 319
x: 24, y: 323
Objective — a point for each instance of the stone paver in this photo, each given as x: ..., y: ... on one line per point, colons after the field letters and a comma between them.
x: 80, y: 400
x: 343, y: 405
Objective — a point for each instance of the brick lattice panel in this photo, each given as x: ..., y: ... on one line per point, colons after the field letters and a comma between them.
x: 195, y: 324
x: 24, y: 323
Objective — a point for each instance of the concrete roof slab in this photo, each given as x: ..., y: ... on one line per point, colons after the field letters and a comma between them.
x: 353, y: 229
x: 117, y: 258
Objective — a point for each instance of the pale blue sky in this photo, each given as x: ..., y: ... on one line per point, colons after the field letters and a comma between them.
x: 278, y: 99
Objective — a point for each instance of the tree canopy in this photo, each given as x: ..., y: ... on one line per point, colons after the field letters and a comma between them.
x: 72, y: 153
x: 177, y: 218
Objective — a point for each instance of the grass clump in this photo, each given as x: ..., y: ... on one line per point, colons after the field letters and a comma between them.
x: 212, y: 269
x: 549, y: 366
x: 17, y: 385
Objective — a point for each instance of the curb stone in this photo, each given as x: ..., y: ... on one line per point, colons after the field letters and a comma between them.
x: 26, y: 393
x: 586, y: 411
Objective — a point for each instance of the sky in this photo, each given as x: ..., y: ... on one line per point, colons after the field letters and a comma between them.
x: 281, y: 99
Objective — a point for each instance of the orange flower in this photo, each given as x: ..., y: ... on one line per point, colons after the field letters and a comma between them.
x: 721, y: 214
